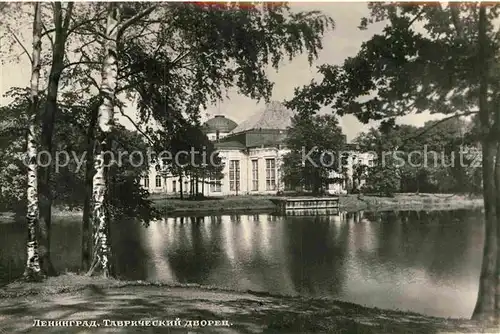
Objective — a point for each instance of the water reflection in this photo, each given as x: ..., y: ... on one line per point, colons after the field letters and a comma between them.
x: 427, y: 262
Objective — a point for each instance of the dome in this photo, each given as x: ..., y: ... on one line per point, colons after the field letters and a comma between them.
x: 273, y: 116
x: 219, y: 123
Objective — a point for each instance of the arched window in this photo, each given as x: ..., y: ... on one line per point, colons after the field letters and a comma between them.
x: 158, y: 181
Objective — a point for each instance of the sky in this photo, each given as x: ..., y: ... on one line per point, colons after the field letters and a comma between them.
x: 344, y: 41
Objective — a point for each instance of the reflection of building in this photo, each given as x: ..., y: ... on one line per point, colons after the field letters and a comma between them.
x: 252, y: 153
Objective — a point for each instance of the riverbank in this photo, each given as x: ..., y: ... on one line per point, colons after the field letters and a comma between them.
x: 263, y: 204
x: 242, y: 204
x: 81, y: 298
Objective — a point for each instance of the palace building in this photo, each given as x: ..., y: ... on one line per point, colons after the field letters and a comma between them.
x: 252, y: 153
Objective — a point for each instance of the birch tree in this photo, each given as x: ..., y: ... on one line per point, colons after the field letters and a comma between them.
x: 32, y: 215
x: 115, y: 28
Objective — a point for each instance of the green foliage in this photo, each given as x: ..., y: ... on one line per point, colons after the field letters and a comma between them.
x: 322, y: 136
x: 202, y: 160
x: 12, y: 148
x: 126, y: 196
x: 67, y: 186
x: 382, y: 180
x: 429, y: 159
x: 402, y: 70
x: 199, y: 52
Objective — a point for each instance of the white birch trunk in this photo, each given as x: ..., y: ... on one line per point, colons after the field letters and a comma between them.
x: 100, y: 218
x: 33, y: 262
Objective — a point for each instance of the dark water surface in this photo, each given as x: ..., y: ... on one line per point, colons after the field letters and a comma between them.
x: 427, y: 262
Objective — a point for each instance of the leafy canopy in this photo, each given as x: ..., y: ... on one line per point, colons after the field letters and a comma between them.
x: 425, y: 59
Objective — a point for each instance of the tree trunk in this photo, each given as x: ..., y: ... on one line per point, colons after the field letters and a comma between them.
x: 485, y: 305
x: 495, y: 237
x: 48, y: 121
x: 87, y: 205
x: 32, y: 270
x: 100, y: 214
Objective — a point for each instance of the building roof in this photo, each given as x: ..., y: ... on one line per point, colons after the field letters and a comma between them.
x: 219, y: 123
x: 229, y: 145
x: 274, y: 116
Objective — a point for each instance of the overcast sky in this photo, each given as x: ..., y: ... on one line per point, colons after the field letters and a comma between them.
x: 344, y: 41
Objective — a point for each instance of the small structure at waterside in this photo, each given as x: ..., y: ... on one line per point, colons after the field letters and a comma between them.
x: 306, y: 205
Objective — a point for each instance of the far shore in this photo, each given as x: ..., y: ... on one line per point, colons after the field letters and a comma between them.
x: 246, y: 204
x: 350, y: 203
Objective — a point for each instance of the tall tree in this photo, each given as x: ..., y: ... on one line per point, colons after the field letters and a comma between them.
x: 62, y: 18
x: 315, y: 144
x: 488, y: 283
x: 32, y: 215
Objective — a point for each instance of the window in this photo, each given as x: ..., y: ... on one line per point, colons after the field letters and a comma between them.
x: 158, y: 181
x: 270, y: 174
x: 174, y: 186
x: 234, y: 175
x: 255, y: 175
x: 215, y: 185
x: 146, y: 181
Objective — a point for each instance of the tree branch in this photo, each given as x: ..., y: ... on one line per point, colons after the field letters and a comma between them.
x: 455, y: 18
x: 427, y: 129
x: 416, y: 17
x: 122, y: 112
x: 82, y: 62
x: 126, y: 87
x: 21, y: 44
x: 47, y: 32
x: 125, y: 24
x: 95, y: 83
x: 180, y: 58
x: 67, y: 18
x: 82, y: 23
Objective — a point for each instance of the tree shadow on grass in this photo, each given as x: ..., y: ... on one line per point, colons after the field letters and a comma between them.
x: 247, y: 315
x: 116, y: 306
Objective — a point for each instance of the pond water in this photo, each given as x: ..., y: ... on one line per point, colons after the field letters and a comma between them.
x: 427, y: 262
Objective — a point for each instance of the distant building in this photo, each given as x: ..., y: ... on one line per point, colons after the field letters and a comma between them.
x: 252, y: 153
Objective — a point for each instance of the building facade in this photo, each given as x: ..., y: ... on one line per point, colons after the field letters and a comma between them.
x: 252, y: 153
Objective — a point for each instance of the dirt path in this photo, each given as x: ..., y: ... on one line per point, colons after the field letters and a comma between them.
x: 216, y: 311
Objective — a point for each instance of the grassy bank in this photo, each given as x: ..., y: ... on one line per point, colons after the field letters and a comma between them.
x: 74, y: 297
x: 56, y: 212
x: 239, y: 204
